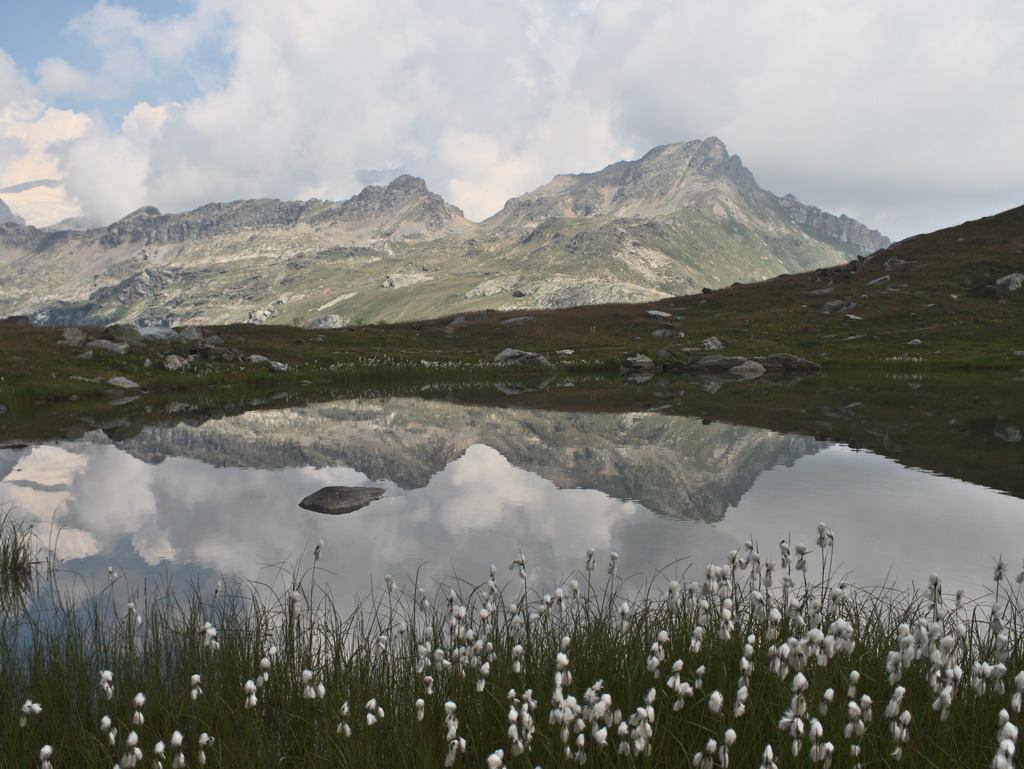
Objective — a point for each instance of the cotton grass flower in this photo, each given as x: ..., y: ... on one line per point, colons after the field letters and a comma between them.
x: 159, y: 754
x: 716, y: 702
x: 45, y: 754
x: 178, y: 761
x: 133, y: 753
x: 374, y: 712
x: 137, y: 718
x: 106, y: 684
x: 249, y: 689
x: 204, y: 741
x: 343, y: 728
x: 29, y: 708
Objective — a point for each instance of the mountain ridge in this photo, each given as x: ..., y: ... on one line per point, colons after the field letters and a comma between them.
x: 682, y: 217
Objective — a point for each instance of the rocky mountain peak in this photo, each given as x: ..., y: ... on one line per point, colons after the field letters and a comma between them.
x: 708, y: 158
x: 666, y: 180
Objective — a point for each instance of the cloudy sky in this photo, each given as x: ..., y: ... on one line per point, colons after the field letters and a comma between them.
x: 904, y: 114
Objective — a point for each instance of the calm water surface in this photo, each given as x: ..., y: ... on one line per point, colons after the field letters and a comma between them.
x: 466, y: 487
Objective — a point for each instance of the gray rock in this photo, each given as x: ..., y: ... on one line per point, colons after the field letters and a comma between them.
x: 658, y: 314
x: 641, y: 362
x: 520, y: 321
x: 160, y: 335
x: 191, y: 334
x: 749, y: 369
x: 212, y: 352
x: 87, y: 355
x: 837, y: 306
x: 336, y: 500
x: 913, y: 342
x: 105, y: 345
x: 822, y: 291
x: 520, y: 357
x: 662, y: 332
x: 124, y: 383
x: 72, y: 337
x: 879, y: 281
x: 1011, y: 282
x: 720, y: 362
x: 126, y: 334
x: 330, y: 320
x: 712, y: 343
x: 261, y: 315
x: 175, y: 363
x: 566, y: 353
x: 273, y: 365
x: 458, y: 321
x: 851, y: 316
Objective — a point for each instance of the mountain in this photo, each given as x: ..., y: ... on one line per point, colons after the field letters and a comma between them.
x: 8, y: 216
x: 683, y: 217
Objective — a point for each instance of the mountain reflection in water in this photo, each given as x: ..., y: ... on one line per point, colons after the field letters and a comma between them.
x: 470, y: 486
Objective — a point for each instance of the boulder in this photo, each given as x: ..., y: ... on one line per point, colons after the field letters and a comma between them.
x: 191, y: 334
x: 123, y: 383
x: 260, y: 315
x: 749, y: 369
x: 330, y: 320
x: 720, y: 362
x: 658, y: 314
x: 214, y: 353
x: 641, y: 362
x: 175, y: 363
x: 273, y: 365
x: 712, y: 344
x: 879, y: 281
x: 336, y: 500
x: 1011, y: 282
x: 105, y: 345
x: 127, y: 334
x: 837, y: 305
x: 72, y: 337
x: 520, y: 357
x: 160, y: 335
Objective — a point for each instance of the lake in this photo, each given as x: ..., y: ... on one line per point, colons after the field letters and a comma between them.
x: 466, y: 486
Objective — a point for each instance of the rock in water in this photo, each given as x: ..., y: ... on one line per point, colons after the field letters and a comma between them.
x: 336, y: 500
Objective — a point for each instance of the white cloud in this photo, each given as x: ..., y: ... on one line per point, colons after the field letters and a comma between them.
x: 905, y: 116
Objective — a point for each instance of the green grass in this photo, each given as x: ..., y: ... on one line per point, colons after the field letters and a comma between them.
x: 17, y: 554
x: 502, y: 647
